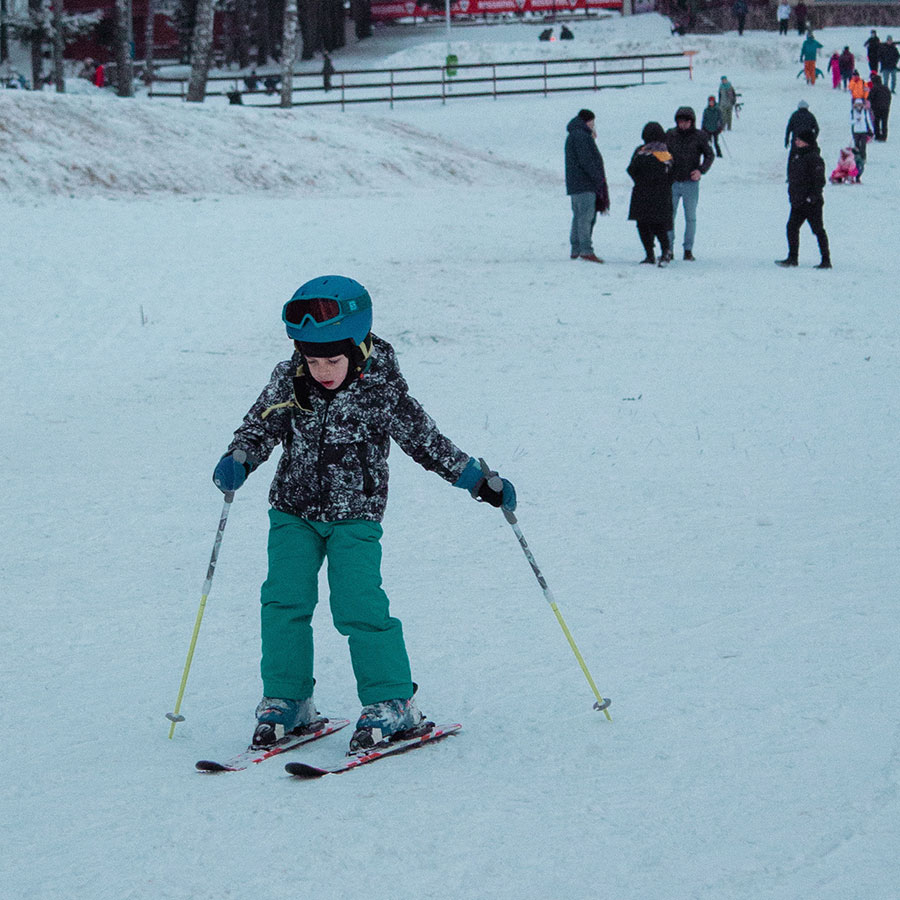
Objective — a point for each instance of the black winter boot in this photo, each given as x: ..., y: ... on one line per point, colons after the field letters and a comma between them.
x: 788, y: 263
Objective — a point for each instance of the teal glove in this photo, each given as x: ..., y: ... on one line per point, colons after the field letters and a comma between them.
x: 484, y: 488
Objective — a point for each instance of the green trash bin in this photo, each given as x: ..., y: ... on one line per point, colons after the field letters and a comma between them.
x: 452, y: 63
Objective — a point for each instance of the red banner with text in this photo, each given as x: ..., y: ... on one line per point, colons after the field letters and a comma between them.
x: 408, y: 9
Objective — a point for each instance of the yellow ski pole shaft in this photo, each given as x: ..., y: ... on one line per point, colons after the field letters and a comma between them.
x: 602, y: 703
x: 174, y: 717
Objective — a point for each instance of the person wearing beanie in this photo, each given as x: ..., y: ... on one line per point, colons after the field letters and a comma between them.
x: 873, y: 50
x: 808, y: 54
x: 801, y: 119
x: 806, y: 179
x: 880, y: 104
x: 711, y: 123
x: 692, y: 157
x: 727, y: 101
x: 585, y: 184
x: 334, y: 406
x: 888, y: 57
x: 651, y: 197
x: 862, y: 128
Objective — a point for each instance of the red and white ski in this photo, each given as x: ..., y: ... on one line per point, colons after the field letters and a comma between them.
x: 289, y: 742
x: 353, y: 761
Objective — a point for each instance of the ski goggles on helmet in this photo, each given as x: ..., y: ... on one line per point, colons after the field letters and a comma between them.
x: 312, y: 310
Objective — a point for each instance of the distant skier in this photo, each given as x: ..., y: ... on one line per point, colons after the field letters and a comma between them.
x: 727, y: 101
x: 334, y: 407
x: 711, y: 122
x: 806, y: 179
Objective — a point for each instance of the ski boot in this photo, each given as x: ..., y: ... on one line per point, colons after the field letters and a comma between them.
x: 389, y: 720
x: 276, y: 717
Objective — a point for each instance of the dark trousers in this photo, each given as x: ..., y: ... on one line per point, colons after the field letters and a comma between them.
x: 647, y: 231
x: 860, y: 141
x: 715, y: 139
x: 782, y: 26
x: 806, y: 212
x: 880, y: 121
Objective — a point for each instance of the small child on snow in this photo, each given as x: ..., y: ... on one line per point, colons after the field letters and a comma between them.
x: 334, y: 407
x: 846, y: 171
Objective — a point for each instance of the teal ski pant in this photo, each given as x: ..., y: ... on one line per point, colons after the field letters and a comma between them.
x: 359, y: 607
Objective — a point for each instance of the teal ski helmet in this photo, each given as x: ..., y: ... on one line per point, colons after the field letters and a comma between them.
x: 328, y: 309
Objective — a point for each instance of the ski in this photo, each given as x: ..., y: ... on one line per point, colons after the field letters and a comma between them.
x: 353, y: 761
x: 249, y: 757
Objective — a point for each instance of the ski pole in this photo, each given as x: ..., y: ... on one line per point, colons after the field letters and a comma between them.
x: 174, y: 717
x: 496, y: 483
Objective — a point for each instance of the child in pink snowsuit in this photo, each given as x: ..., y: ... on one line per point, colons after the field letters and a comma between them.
x: 835, y: 65
x: 846, y: 171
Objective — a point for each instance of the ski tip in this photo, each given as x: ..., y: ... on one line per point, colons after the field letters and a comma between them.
x: 209, y: 765
x: 302, y: 770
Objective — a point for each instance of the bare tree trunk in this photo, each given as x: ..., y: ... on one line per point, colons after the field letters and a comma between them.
x: 242, y: 29
x: 37, y: 50
x: 4, y: 32
x: 124, y: 65
x: 201, y: 51
x: 149, y: 41
x: 288, y: 52
x: 59, y: 75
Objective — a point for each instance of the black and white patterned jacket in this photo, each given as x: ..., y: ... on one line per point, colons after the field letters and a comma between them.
x: 334, y: 464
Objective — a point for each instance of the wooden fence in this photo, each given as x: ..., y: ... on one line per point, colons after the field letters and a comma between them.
x: 442, y: 82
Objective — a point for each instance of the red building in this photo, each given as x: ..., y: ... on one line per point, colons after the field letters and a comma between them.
x: 98, y: 44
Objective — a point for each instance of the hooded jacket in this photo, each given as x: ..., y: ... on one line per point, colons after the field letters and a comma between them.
x: 801, y: 120
x: 335, y: 444
x: 806, y: 176
x: 651, y: 197
x: 690, y: 148
x: 584, y: 164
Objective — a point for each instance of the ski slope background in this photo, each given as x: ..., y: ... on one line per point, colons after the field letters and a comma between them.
x: 706, y: 461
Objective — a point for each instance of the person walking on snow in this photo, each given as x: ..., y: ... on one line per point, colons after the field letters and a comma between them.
x: 873, y: 50
x: 880, y: 104
x: 888, y: 57
x: 651, y: 197
x: 800, y: 14
x: 711, y: 122
x: 808, y: 53
x: 784, y: 16
x: 834, y: 64
x: 585, y: 184
x: 862, y: 129
x: 727, y: 101
x: 801, y: 120
x: 847, y: 66
x: 806, y: 179
x: 334, y: 407
x: 739, y: 8
x: 858, y: 88
x: 692, y: 157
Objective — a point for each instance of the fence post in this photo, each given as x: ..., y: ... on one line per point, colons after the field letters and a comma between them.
x: 343, y: 94
x: 643, y: 66
x: 494, y: 71
x: 392, y: 88
x: 443, y: 85
x: 545, y: 79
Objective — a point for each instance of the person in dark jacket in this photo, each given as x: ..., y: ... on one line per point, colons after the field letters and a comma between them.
x: 806, y: 179
x: 880, y: 102
x: 334, y: 408
x: 873, y: 50
x: 888, y: 57
x: 692, y: 157
x: 712, y: 122
x: 739, y: 8
x: 846, y: 64
x: 585, y: 184
x: 651, y: 197
x: 327, y: 71
x: 801, y: 120
x: 800, y: 13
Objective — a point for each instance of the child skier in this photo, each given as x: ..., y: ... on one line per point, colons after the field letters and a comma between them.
x: 334, y: 406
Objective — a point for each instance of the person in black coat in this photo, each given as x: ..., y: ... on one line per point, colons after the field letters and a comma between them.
x: 692, y: 156
x: 651, y: 197
x: 585, y: 184
x: 880, y: 102
x: 801, y: 120
x: 806, y: 179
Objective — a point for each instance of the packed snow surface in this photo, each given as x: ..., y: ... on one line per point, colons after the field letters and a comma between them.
x: 706, y: 461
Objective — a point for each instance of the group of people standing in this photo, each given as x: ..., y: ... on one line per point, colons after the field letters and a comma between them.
x: 666, y: 169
